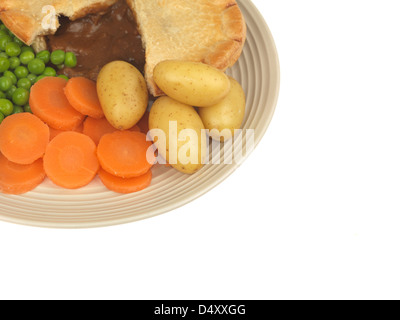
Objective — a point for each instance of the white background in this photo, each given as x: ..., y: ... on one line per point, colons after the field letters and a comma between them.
x: 314, y: 212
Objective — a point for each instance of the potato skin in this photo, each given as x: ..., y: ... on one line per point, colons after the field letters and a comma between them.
x: 227, y: 114
x: 163, y: 111
x: 123, y: 94
x: 193, y: 83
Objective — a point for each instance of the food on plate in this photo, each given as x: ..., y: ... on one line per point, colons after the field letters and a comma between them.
x: 193, y: 83
x: 124, y: 153
x: 226, y: 116
x: 70, y: 160
x: 115, y: 56
x: 98, y: 31
x: 109, y: 34
x: 82, y: 95
x: 125, y: 185
x: 23, y: 138
x: 20, y: 178
x: 49, y: 103
x: 123, y: 94
x: 96, y: 128
x: 6, y: 107
x: 206, y: 31
x: 55, y: 132
x: 181, y: 146
x: 20, y: 68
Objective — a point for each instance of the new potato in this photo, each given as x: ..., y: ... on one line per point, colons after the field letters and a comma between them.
x: 223, y: 118
x: 123, y: 94
x: 180, y: 135
x: 193, y: 83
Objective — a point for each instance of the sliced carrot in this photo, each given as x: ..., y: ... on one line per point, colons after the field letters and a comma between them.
x: 79, y: 128
x: 143, y: 124
x: 23, y: 138
x: 124, y: 153
x: 125, y: 185
x: 96, y: 128
x: 20, y: 178
x: 82, y: 95
x: 55, y: 132
x: 70, y: 160
x: 49, y: 103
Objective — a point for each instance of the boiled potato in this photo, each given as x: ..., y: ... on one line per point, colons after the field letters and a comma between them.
x: 178, y: 133
x: 123, y: 94
x: 193, y: 83
x: 223, y: 118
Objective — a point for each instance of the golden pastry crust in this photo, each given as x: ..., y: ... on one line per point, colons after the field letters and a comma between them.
x: 209, y: 31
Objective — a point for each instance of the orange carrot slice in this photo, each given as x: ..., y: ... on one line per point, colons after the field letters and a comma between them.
x: 70, y: 160
x: 49, y: 103
x: 82, y: 95
x: 55, y: 132
x: 96, y: 128
x: 20, y: 178
x: 23, y: 138
x: 124, y: 153
x: 79, y: 128
x: 125, y: 185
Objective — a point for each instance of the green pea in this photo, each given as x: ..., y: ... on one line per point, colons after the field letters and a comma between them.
x: 70, y: 60
x: 3, y: 27
x: 24, y: 83
x: 44, y: 55
x: 2, y: 95
x: 31, y: 77
x: 4, y: 40
x: 13, y: 49
x: 14, y: 62
x: 57, y: 57
x: 27, y: 108
x: 20, y: 97
x: 3, y: 33
x: 1, y: 117
x: 26, y: 48
x: 10, y: 92
x: 60, y: 66
x: 36, y: 66
x: 63, y: 77
x: 4, y: 55
x: 12, y: 76
x: 21, y: 72
x: 6, y: 107
x: 5, y: 84
x: 50, y: 72
x: 4, y: 64
x: 26, y: 57
x: 18, y: 109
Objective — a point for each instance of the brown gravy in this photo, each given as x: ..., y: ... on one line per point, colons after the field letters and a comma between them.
x: 98, y: 39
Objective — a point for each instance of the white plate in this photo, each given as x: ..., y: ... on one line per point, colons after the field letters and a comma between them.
x: 94, y: 206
